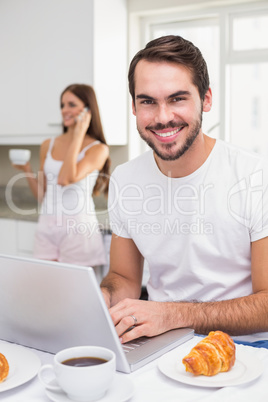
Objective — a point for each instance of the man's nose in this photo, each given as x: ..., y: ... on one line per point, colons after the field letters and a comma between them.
x: 164, y: 114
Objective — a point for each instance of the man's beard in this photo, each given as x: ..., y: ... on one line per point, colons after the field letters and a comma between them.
x: 188, y: 142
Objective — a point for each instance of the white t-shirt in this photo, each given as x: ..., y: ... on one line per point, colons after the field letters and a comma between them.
x: 194, y: 232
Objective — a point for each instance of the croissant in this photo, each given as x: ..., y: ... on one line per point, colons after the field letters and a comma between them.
x: 4, y: 368
x: 213, y: 354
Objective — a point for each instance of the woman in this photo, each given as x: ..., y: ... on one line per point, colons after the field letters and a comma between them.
x: 73, y: 166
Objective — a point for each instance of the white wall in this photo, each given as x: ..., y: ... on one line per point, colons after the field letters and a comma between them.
x: 47, y: 45
x: 110, y: 66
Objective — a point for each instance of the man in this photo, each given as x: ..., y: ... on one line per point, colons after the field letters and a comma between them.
x: 194, y: 208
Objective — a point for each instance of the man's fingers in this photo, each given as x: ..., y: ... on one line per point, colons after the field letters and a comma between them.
x: 124, y: 325
x: 133, y: 334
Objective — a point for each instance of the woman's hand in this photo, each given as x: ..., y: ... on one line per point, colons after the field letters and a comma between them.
x: 82, y: 123
x: 25, y: 168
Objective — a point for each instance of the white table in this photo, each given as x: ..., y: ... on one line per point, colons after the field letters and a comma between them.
x: 153, y: 386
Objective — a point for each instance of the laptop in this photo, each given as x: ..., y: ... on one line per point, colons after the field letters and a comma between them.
x: 51, y: 306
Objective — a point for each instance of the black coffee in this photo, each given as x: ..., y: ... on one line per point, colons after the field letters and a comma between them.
x: 84, y: 361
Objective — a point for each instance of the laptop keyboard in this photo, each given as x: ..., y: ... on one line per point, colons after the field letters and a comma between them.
x: 129, y: 346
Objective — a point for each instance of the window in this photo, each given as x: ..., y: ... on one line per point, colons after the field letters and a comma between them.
x: 249, y: 32
x: 248, y: 106
x: 248, y: 80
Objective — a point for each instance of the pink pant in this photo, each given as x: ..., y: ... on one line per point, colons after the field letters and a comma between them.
x: 75, y: 240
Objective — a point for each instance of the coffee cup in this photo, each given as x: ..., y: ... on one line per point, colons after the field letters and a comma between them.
x: 84, y: 373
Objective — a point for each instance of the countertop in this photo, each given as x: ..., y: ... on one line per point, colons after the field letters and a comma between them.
x: 150, y: 384
x: 19, y: 203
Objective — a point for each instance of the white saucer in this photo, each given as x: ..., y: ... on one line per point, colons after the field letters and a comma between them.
x: 121, y: 390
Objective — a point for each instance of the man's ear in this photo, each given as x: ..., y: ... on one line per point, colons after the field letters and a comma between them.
x: 133, y: 108
x: 207, y: 103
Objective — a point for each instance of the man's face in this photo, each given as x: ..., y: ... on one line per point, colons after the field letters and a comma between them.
x: 168, y: 107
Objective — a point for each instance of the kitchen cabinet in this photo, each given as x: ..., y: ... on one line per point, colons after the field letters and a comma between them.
x: 48, y: 45
x: 17, y: 237
x: 8, y: 238
x: 25, y: 238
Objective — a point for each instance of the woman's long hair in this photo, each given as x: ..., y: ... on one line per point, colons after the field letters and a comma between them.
x: 87, y: 95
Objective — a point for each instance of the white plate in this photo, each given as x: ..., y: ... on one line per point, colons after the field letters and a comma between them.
x: 23, y: 365
x: 122, y: 390
x: 247, y: 368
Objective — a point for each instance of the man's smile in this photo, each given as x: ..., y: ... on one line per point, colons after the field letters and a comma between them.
x: 166, y: 133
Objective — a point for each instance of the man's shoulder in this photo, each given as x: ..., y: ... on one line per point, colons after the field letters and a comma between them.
x: 135, y: 166
x: 239, y: 154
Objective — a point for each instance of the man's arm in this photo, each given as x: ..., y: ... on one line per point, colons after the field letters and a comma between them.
x: 239, y: 316
x: 125, y: 275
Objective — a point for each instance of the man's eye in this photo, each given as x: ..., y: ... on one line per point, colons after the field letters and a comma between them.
x: 147, y: 102
x: 177, y: 99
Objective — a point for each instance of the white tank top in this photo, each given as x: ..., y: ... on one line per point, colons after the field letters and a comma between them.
x: 72, y: 199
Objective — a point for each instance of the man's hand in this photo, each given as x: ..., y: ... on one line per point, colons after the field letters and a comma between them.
x: 152, y: 318
x: 106, y: 296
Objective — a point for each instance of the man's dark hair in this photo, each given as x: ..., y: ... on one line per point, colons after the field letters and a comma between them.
x: 173, y: 49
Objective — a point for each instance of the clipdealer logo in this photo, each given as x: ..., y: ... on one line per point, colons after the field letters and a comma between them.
x: 56, y: 196
x: 198, y: 227
x: 251, y: 191
x: 244, y: 200
x: 153, y: 199
x: 154, y: 209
